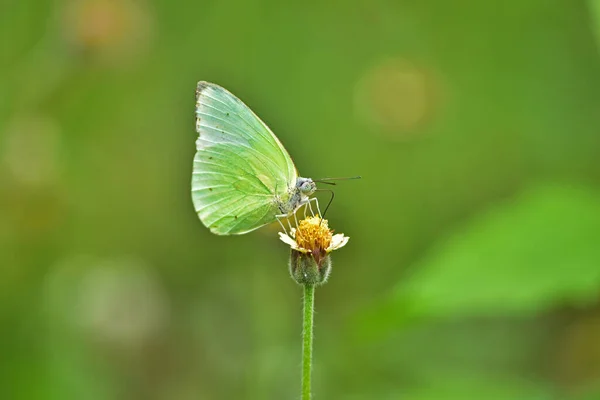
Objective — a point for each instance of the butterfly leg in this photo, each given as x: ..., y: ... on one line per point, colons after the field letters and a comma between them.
x: 317, y: 204
x: 278, y: 217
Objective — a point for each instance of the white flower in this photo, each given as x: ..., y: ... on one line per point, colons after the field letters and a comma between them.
x: 337, y: 242
x: 314, y: 236
x: 311, y: 242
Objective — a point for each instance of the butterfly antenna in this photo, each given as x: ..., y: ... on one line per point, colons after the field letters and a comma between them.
x: 328, y: 180
x: 328, y: 203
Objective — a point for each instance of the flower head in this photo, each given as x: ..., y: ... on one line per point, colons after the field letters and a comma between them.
x: 310, y: 245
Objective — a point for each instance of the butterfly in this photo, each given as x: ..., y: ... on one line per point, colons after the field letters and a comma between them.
x: 243, y: 178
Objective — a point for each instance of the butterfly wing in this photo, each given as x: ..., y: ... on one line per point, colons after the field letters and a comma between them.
x: 240, y: 167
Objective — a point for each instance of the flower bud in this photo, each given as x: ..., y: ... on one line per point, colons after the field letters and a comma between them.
x: 311, y: 243
x: 306, y: 270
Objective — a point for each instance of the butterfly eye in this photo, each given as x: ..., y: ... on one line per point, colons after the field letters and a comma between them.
x: 307, y: 187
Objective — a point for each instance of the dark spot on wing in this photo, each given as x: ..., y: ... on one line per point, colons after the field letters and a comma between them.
x: 200, y: 87
x: 210, y: 158
x: 235, y: 217
x: 210, y: 189
x: 227, y: 114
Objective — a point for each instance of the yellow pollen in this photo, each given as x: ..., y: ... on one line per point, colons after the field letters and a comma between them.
x: 313, y: 235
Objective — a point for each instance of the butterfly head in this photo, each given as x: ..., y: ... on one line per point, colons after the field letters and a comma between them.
x: 306, y: 186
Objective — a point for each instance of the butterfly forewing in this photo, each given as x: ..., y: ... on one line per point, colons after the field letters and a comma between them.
x: 239, y: 167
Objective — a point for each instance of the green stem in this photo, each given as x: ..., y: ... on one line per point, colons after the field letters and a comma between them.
x: 307, y: 339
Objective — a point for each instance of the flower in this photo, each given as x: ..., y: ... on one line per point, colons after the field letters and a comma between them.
x: 314, y: 236
x: 310, y: 245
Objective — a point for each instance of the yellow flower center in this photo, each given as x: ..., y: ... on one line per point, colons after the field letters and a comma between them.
x: 313, y: 234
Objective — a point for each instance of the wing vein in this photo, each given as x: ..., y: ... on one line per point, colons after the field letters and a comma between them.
x: 268, y: 138
x: 258, y: 156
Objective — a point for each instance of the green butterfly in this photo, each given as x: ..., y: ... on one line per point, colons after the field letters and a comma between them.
x: 243, y: 178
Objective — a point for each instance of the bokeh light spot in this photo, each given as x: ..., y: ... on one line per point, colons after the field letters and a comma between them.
x: 118, y: 302
x: 32, y: 151
x: 108, y: 30
x: 395, y: 96
x: 122, y: 302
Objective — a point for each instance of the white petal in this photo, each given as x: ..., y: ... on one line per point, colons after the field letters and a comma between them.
x: 288, y: 240
x: 338, y: 241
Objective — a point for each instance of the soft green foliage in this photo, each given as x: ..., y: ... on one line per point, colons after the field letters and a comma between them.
x: 526, y: 254
x: 594, y: 6
x: 520, y: 258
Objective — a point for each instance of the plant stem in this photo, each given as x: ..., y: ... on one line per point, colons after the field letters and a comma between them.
x: 307, y: 339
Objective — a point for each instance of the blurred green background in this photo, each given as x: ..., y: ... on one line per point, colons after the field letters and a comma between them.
x: 473, y: 268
